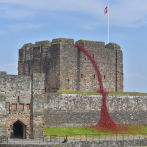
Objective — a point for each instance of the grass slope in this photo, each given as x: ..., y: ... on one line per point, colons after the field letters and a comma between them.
x: 95, y: 93
x: 70, y: 131
x: 95, y: 131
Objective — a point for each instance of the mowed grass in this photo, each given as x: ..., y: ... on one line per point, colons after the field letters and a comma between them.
x: 95, y: 93
x: 95, y: 131
x: 69, y: 131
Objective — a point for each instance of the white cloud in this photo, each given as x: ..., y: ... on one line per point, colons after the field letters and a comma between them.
x: 19, y: 13
x: 126, y: 13
x: 129, y: 13
x: 7, y: 11
x: 24, y: 26
x: 58, y: 4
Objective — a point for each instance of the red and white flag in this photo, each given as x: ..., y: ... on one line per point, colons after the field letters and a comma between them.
x: 106, y: 10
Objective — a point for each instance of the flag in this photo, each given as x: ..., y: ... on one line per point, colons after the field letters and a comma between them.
x: 106, y: 10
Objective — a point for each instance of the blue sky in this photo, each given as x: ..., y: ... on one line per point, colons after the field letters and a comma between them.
x: 23, y: 21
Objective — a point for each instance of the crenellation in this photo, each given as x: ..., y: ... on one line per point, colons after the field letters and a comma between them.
x: 63, y: 41
x: 113, y: 46
x: 90, y: 43
x: 27, y: 45
x: 44, y: 43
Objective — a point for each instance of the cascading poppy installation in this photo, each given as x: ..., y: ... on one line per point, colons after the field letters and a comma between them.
x: 105, y: 119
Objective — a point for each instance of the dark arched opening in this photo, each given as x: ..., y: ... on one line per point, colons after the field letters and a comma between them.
x: 19, y: 130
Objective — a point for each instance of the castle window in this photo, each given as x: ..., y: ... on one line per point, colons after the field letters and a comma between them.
x: 21, y: 107
x: 68, y: 80
x: 81, y: 75
x: 14, y: 107
x: 104, y: 76
x: 94, y: 76
x: 28, y: 106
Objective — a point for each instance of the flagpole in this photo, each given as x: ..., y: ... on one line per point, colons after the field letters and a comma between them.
x: 108, y: 24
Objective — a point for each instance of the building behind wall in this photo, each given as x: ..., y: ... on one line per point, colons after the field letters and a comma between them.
x: 66, y: 68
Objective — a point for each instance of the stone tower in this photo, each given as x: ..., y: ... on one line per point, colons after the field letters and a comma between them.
x: 66, y: 68
x: 33, y: 58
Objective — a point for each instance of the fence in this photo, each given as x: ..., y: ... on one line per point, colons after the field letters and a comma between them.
x: 122, y: 140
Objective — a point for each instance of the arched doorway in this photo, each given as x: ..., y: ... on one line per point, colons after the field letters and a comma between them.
x: 19, y: 130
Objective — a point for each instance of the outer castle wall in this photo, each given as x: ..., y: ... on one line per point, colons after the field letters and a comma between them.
x: 83, y: 110
x: 37, y: 109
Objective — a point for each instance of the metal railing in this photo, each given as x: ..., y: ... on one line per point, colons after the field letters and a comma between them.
x: 124, y: 139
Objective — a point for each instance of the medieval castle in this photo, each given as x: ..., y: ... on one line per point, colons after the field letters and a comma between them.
x: 29, y: 101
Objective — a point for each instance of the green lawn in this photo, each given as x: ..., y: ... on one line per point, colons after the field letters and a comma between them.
x: 73, y: 131
x: 95, y: 93
x: 95, y: 132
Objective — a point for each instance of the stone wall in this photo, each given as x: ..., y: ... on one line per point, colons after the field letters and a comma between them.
x: 69, y: 76
x: 77, y: 72
x: 109, y: 60
x: 82, y: 110
x: 3, y: 113
x: 53, y: 69
x: 38, y: 104
x: 13, y: 86
x: 103, y: 143
x: 21, y: 99
x: 118, y: 56
x: 33, y: 58
x: 17, y: 92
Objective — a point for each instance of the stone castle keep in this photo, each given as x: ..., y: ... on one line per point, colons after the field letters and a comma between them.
x: 29, y: 101
x: 66, y: 68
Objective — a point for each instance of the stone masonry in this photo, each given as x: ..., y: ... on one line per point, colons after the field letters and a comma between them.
x: 18, y: 98
x: 84, y: 110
